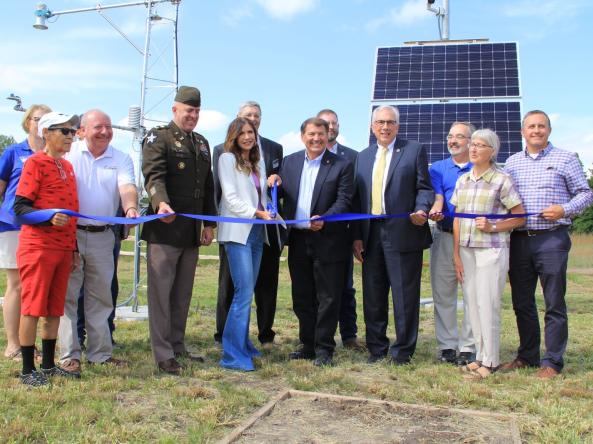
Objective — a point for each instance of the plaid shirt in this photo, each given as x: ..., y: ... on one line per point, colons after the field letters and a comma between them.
x: 555, y: 176
x: 491, y: 193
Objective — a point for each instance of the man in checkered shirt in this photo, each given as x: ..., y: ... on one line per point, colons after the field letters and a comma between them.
x: 552, y: 183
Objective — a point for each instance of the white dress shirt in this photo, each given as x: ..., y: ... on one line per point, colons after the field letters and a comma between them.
x: 308, y: 178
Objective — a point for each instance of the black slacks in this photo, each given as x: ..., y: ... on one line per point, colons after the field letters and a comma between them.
x: 316, y: 293
x: 384, y: 268
x: 543, y: 257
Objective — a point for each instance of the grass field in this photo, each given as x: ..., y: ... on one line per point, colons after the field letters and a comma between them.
x: 136, y: 404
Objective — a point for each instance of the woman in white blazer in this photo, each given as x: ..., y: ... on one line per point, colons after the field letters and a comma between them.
x: 241, y: 172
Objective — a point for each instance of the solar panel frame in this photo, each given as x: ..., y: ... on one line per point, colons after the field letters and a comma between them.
x: 434, y: 85
x: 455, y: 71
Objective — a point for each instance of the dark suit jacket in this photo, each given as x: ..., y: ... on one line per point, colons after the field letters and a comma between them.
x: 177, y: 170
x: 408, y: 190
x: 347, y: 153
x: 332, y: 194
x: 273, y: 154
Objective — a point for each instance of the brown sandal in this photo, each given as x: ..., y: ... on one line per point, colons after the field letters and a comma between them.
x: 471, y: 367
x: 483, y: 372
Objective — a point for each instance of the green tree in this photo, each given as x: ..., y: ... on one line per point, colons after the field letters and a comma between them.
x: 5, y: 141
x: 584, y: 222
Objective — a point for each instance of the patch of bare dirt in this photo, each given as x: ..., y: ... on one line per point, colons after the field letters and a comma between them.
x: 325, y: 420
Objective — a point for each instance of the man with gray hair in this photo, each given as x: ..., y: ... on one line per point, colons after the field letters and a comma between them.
x: 392, y: 178
x: 444, y: 174
x: 104, y: 178
x: 266, y: 287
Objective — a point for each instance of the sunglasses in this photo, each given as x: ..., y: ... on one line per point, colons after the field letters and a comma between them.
x: 65, y: 131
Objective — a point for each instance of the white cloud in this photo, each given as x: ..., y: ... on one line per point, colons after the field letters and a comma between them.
x: 103, y: 32
x: 6, y: 109
x: 546, y: 10
x: 342, y: 140
x: 287, y: 9
x: 235, y: 15
x: 211, y: 120
x: 554, y: 118
x: 574, y: 133
x: 291, y: 142
x: 62, y: 75
x: 409, y: 14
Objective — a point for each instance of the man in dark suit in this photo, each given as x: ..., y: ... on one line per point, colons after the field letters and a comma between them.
x: 348, y: 328
x: 392, y: 178
x: 316, y: 183
x: 266, y: 287
x: 178, y: 178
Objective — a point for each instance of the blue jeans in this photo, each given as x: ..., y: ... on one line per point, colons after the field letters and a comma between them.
x: 244, y: 261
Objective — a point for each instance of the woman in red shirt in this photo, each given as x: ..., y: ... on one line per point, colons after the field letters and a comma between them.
x: 46, y: 250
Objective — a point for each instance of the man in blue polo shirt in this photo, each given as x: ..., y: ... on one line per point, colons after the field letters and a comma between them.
x: 444, y: 175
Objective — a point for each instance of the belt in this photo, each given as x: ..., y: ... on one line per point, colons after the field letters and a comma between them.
x: 446, y: 230
x: 531, y: 233
x: 93, y: 228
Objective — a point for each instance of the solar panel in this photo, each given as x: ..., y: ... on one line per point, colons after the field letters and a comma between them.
x: 470, y: 70
x: 432, y: 85
x: 429, y: 124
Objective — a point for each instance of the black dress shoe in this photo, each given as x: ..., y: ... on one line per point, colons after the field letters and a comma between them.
x: 300, y: 354
x: 465, y: 358
x: 375, y: 358
x: 448, y: 356
x: 194, y: 357
x: 170, y: 366
x: 323, y: 361
x: 353, y: 344
x: 399, y: 361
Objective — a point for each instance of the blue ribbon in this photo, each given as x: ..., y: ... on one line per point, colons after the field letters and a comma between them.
x: 45, y: 215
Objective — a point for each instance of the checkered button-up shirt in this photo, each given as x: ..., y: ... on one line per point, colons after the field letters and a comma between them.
x: 554, y: 177
x: 493, y: 192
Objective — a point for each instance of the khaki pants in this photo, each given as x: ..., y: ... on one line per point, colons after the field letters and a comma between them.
x: 485, y: 272
x: 95, y: 273
x: 171, y: 273
x: 443, y: 280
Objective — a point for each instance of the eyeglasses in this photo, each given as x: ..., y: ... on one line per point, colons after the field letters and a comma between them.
x: 60, y: 168
x: 456, y: 136
x: 479, y: 146
x: 385, y: 122
x: 65, y: 131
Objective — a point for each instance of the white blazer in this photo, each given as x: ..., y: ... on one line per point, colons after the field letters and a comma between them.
x: 239, y: 199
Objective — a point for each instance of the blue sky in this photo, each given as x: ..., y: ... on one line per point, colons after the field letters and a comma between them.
x: 293, y: 56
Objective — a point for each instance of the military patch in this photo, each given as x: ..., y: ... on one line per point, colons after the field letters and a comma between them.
x: 152, y: 191
x: 151, y: 138
x: 181, y: 165
x: 203, y: 148
x: 178, y: 144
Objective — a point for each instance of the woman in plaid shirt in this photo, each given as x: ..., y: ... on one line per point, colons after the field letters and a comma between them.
x: 481, y: 245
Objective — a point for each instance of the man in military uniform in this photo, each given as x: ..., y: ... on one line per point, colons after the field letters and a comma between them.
x: 178, y: 178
